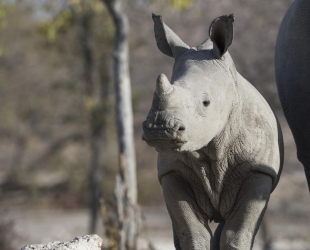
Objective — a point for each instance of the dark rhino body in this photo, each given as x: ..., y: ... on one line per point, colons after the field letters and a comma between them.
x: 292, y: 64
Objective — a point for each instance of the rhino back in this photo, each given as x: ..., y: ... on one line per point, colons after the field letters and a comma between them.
x: 292, y: 60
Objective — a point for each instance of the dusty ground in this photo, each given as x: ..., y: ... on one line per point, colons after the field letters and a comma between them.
x: 49, y: 225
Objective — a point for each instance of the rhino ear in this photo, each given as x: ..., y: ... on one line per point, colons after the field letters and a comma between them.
x: 221, y: 33
x: 167, y: 41
x: 206, y: 45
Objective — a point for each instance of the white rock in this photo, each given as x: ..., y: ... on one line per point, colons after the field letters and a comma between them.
x: 87, y: 242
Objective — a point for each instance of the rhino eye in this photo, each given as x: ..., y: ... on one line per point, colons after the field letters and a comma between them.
x: 206, y: 103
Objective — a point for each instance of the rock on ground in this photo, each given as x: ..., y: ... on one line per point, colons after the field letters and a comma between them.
x: 87, y: 242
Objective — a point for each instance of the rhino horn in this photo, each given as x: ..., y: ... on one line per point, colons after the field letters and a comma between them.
x: 163, y: 86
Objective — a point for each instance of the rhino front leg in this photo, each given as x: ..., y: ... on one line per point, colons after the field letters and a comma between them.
x: 242, y: 223
x: 191, y: 230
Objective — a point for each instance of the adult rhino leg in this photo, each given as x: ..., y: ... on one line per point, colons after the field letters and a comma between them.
x: 243, y: 221
x: 191, y: 230
x: 306, y: 163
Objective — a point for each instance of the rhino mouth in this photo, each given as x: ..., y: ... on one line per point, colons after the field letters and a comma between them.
x: 164, y: 144
x: 164, y: 139
x: 162, y: 135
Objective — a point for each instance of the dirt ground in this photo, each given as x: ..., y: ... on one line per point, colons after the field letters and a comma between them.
x: 62, y: 225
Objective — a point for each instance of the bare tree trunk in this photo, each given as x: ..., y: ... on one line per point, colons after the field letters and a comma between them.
x: 96, y: 120
x: 98, y: 139
x: 124, y: 119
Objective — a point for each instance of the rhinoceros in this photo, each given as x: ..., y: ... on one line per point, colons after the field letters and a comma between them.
x: 220, y: 145
x: 292, y: 64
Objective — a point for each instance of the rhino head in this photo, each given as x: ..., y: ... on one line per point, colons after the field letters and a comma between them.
x: 193, y: 108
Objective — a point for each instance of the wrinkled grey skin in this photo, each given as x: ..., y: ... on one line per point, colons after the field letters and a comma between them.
x: 292, y: 61
x: 220, y: 147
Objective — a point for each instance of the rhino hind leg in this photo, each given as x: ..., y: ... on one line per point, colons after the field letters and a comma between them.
x: 305, y: 161
x: 191, y: 230
x: 307, y: 172
x: 242, y: 223
x: 217, y: 236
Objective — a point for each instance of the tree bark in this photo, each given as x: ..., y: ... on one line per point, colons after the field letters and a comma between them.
x: 124, y: 119
x: 96, y: 119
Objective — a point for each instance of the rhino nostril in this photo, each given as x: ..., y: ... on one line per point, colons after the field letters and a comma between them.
x: 181, y: 128
x: 146, y: 124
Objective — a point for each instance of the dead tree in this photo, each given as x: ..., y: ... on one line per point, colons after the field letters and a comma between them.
x: 96, y: 114
x: 126, y: 185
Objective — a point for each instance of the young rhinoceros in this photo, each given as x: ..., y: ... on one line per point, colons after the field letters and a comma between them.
x: 220, y: 145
